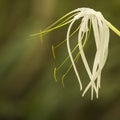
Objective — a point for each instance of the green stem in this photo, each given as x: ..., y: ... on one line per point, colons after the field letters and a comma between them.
x: 114, y: 29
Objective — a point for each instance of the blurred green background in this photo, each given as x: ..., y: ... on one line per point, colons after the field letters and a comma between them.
x: 27, y: 87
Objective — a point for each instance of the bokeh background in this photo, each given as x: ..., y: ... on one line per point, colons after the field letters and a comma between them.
x: 28, y: 90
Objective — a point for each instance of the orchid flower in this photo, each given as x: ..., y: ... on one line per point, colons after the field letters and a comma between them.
x: 89, y: 18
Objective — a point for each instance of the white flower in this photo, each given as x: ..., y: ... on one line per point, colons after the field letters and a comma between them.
x: 101, y: 35
x: 100, y: 26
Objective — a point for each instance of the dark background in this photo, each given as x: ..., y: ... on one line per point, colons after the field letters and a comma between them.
x: 27, y: 87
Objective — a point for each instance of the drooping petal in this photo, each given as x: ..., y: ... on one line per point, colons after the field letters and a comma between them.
x: 70, y: 53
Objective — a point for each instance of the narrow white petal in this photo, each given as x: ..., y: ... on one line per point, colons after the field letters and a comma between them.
x: 80, y: 38
x: 70, y: 54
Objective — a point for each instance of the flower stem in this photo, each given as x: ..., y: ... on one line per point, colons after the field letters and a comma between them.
x: 114, y: 29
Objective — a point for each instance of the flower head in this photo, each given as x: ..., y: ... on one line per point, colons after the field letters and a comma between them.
x: 88, y: 18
